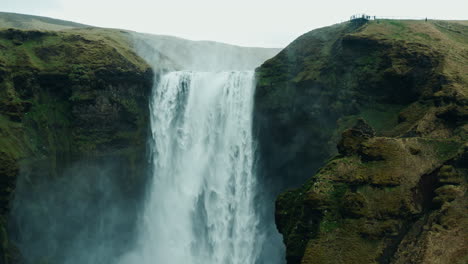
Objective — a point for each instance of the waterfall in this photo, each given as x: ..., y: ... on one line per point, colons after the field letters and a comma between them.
x: 200, y: 208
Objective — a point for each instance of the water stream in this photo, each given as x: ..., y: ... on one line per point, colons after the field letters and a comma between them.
x: 200, y: 208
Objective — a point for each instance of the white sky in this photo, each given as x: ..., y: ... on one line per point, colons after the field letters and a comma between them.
x: 264, y: 23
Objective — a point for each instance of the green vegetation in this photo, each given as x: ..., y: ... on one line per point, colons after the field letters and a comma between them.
x: 29, y: 22
x: 408, y: 81
x: 81, y: 93
x: 65, y: 96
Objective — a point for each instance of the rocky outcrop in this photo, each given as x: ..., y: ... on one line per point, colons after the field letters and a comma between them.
x: 68, y: 97
x: 360, y: 207
x: 390, y: 95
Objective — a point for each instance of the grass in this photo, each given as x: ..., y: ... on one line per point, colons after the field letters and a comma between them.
x: 329, y: 223
x: 382, y: 117
x: 54, y: 51
x: 73, y: 54
x: 10, y: 143
x: 26, y: 22
x: 450, y: 38
x: 444, y: 149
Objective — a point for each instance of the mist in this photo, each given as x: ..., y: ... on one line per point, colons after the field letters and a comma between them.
x: 168, y: 53
x: 206, y: 203
x: 83, y: 215
x: 91, y: 211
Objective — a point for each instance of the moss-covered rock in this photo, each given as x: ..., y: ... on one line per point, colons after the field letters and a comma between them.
x: 65, y: 97
x: 353, y: 137
x: 367, y: 203
x: 396, y: 95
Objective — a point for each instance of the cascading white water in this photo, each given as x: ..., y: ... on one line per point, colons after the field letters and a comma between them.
x: 201, y: 204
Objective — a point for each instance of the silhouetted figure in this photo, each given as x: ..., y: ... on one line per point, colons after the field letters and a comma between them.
x: 426, y: 19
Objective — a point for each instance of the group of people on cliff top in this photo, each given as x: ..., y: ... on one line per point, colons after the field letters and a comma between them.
x: 366, y: 17
x: 363, y: 16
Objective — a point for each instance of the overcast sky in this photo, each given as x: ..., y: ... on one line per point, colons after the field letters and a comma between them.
x: 265, y: 23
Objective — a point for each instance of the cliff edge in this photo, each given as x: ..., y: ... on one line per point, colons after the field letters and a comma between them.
x: 378, y: 112
x: 67, y: 97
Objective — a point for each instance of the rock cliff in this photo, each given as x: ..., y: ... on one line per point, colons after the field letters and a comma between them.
x: 392, y: 96
x: 68, y: 97
x: 367, y: 121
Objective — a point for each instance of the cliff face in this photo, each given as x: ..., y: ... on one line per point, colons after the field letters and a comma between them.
x: 392, y: 95
x: 78, y: 96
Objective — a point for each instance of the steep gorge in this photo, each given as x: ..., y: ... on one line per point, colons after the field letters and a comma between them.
x: 377, y: 111
x: 76, y: 135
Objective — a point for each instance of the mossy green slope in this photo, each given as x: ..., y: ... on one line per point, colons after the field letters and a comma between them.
x: 30, y: 22
x: 65, y: 96
x: 385, y: 196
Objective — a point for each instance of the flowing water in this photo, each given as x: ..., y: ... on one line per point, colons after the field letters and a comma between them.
x: 200, y: 208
